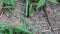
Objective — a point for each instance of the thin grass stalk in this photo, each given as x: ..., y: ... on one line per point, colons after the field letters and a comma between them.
x: 26, y: 7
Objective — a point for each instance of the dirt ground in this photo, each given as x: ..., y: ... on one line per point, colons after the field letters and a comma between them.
x: 38, y: 19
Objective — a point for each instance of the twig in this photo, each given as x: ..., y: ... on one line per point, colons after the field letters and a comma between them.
x: 50, y: 26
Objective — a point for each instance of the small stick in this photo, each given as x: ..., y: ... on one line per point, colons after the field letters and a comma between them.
x: 50, y: 26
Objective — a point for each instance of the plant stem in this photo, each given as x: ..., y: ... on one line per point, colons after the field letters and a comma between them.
x: 26, y: 7
x: 25, y: 22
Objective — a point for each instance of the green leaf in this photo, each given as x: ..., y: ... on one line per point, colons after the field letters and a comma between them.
x: 53, y: 1
x: 22, y: 29
x: 31, y: 6
x: 13, y: 2
x: 31, y: 9
x: 1, y: 1
x: 10, y: 3
x: 7, y: 2
x: 10, y: 31
x: 3, y: 27
x: 41, y: 3
x: 19, y: 28
x: 25, y: 22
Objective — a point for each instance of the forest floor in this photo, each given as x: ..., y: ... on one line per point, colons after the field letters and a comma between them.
x: 38, y: 19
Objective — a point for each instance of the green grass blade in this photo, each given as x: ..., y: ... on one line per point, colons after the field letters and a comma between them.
x: 7, y: 2
x: 10, y: 30
x: 41, y: 3
x: 31, y: 9
x: 1, y: 1
x: 25, y: 22
x: 53, y: 1
x: 26, y: 7
x: 9, y: 7
x: 14, y: 12
x: 12, y: 2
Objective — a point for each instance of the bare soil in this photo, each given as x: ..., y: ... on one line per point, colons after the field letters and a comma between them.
x: 38, y: 19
